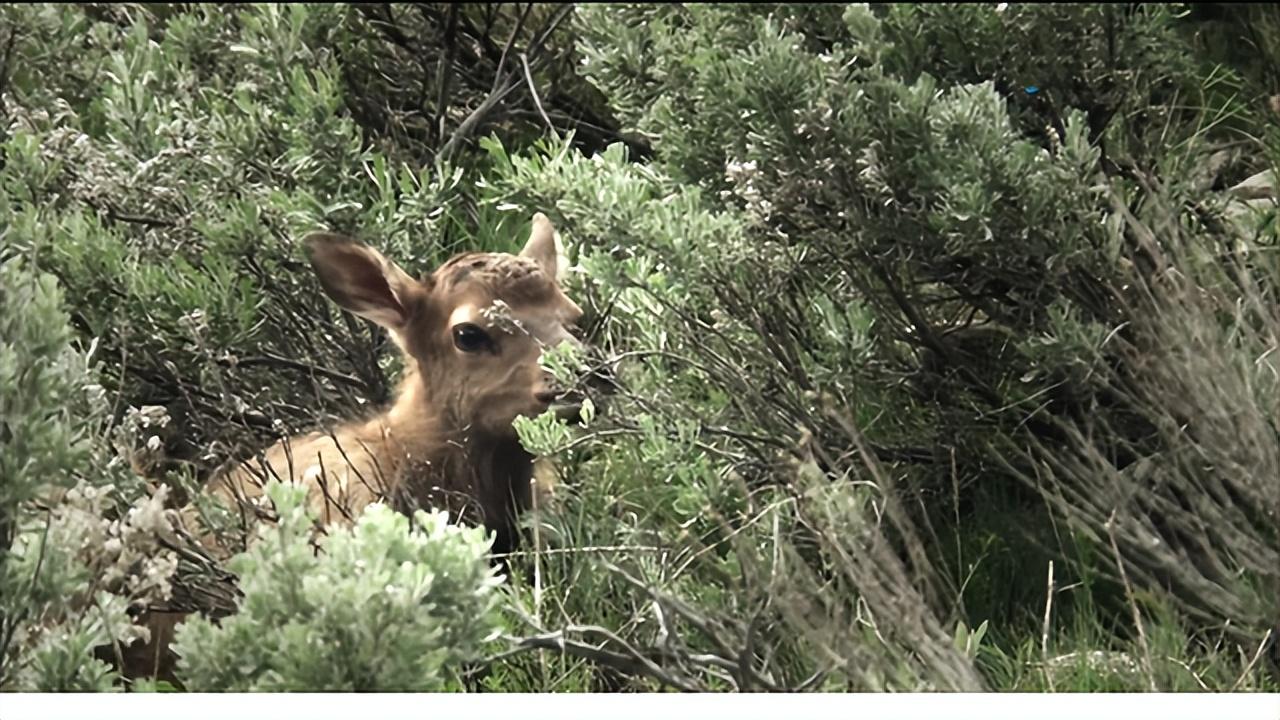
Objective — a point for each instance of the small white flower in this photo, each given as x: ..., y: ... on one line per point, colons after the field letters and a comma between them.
x: 157, y: 415
x: 95, y: 392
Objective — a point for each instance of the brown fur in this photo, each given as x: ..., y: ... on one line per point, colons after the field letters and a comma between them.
x: 447, y: 440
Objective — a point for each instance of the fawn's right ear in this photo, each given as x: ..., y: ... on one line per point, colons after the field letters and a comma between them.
x: 361, y: 279
x: 545, y: 248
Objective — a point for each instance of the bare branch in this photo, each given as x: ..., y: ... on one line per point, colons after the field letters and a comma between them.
x: 632, y: 661
x: 445, y: 73
x: 270, y: 360
x: 528, y: 76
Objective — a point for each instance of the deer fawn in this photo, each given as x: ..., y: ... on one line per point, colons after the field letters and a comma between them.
x: 472, y: 333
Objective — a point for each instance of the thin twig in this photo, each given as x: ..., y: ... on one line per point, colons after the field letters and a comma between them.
x: 581, y: 550
x: 1133, y: 604
x: 1262, y: 646
x: 115, y: 216
x: 498, y: 77
x: 528, y: 76
x: 1192, y: 673
x: 271, y: 360
x: 537, y: 562
x: 1044, y: 629
x: 473, y: 120
x: 631, y: 662
x: 446, y: 70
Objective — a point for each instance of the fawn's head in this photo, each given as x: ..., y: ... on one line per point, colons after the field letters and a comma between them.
x: 474, y: 328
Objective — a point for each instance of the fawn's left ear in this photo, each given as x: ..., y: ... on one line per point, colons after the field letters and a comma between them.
x: 544, y: 247
x: 361, y: 279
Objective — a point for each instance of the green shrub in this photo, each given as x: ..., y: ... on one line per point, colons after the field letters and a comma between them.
x: 74, y: 557
x: 392, y: 604
x: 906, y: 302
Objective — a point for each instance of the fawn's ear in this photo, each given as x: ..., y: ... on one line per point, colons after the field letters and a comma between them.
x: 361, y: 279
x: 544, y: 248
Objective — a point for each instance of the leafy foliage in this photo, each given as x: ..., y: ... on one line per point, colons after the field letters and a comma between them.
x: 908, y: 305
x: 74, y: 558
x: 381, y: 607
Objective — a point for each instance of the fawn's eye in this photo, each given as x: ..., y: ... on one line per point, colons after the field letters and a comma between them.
x: 471, y: 338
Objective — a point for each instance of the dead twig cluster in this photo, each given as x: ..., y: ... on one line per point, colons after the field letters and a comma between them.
x: 480, y: 66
